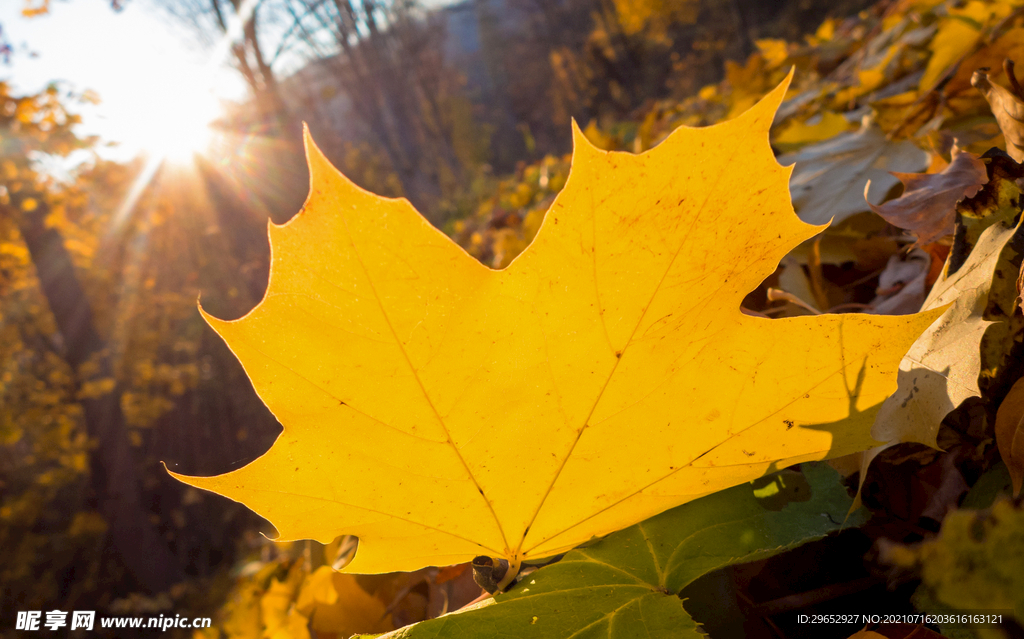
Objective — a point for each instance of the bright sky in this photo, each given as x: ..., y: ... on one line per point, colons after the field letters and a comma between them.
x: 156, y: 85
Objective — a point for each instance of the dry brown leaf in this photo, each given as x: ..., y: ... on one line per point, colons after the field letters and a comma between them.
x: 927, y: 207
x: 901, y: 285
x: 828, y: 180
x: 941, y: 369
x: 1007, y: 106
x: 1010, y: 433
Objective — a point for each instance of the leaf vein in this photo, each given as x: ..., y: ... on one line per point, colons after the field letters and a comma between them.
x: 419, y: 382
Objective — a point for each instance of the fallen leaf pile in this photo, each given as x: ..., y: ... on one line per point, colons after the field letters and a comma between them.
x: 922, y: 78
x: 943, y: 367
x: 985, y: 254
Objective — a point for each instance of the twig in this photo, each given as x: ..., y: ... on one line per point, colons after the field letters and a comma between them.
x: 816, y: 275
x: 402, y: 594
x: 818, y: 595
x: 867, y: 278
x: 777, y: 294
x: 748, y: 605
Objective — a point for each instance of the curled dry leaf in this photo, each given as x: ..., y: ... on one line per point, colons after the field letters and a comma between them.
x: 1007, y: 106
x: 1010, y: 433
x: 927, y: 207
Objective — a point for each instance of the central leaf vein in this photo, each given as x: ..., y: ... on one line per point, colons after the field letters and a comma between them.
x: 629, y: 341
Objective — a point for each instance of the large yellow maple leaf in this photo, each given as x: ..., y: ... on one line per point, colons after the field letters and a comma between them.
x: 441, y: 410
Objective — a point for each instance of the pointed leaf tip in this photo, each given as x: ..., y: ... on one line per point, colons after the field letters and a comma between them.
x: 770, y: 103
x: 315, y: 159
x: 778, y: 94
x: 581, y: 143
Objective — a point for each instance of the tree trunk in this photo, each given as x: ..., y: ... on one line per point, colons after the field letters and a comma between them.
x: 113, y: 468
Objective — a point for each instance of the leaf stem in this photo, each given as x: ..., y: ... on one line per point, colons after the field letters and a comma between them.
x: 515, y: 562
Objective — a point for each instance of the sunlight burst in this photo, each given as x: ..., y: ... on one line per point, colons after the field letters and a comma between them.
x: 177, y: 123
x: 173, y: 127
x: 174, y: 120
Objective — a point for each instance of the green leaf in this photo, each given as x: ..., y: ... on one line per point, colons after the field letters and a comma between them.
x: 626, y: 585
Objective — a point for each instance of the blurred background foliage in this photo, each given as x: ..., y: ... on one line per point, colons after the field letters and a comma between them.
x: 466, y: 109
